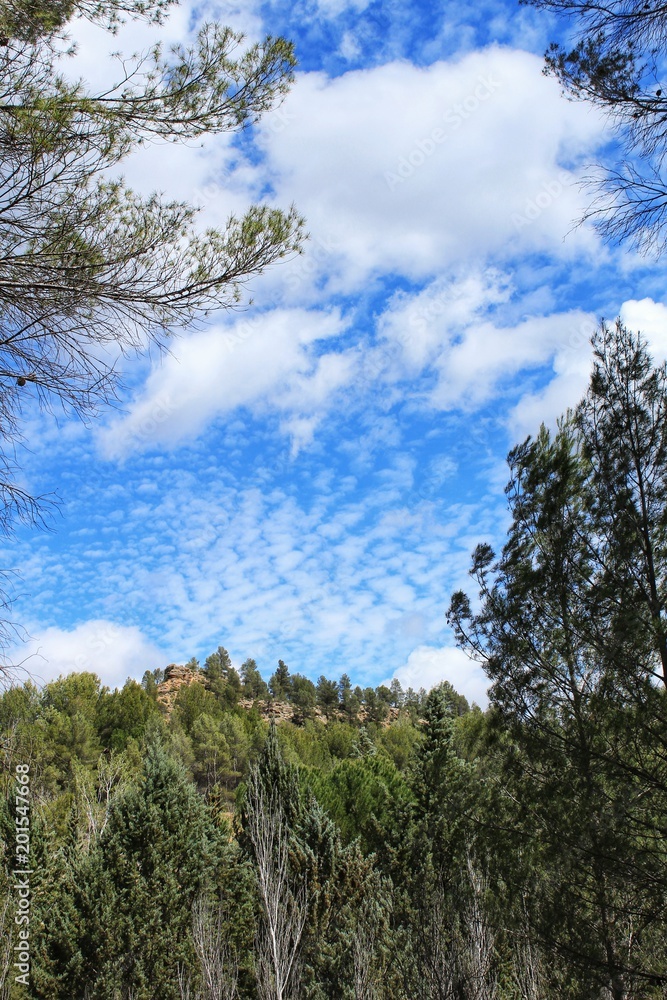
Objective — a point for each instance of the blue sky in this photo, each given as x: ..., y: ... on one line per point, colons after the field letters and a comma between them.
x: 305, y: 478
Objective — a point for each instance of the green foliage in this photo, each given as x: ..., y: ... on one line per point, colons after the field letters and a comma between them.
x: 66, y: 729
x: 377, y: 708
x: 280, y: 683
x: 364, y: 796
x: 123, y: 715
x: 192, y: 701
x: 350, y: 700
x: 253, y: 684
x: 303, y: 696
x: 327, y: 696
x: 150, y: 681
x: 213, y: 760
x: 399, y: 741
x: 222, y: 678
x: 130, y: 898
x: 571, y: 631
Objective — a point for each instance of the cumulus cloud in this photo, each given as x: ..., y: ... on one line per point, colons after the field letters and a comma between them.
x: 423, y: 324
x: 113, y: 652
x: 650, y: 318
x: 412, y: 169
x: 429, y: 665
x: 572, y: 363
x: 448, y: 327
x: 267, y: 360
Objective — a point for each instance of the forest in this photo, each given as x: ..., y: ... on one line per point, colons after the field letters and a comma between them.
x: 210, y: 833
x: 231, y: 837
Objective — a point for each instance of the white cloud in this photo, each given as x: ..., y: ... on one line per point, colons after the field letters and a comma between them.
x: 206, y: 173
x: 472, y: 367
x: 113, y: 652
x: 573, y: 360
x: 268, y: 359
x: 412, y: 169
x: 425, y: 323
x: 444, y: 327
x: 650, y: 318
x: 428, y: 665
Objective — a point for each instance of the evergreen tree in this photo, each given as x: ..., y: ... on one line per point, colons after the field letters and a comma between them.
x: 124, y: 715
x: 254, y: 686
x: 615, y: 64
x: 218, y: 665
x: 133, y: 894
x: 571, y: 632
x: 327, y: 696
x: 303, y: 696
x: 281, y: 683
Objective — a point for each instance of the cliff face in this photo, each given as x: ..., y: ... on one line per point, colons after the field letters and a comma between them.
x: 176, y: 677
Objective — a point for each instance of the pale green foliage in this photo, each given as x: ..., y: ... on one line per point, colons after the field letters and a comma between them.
x: 31, y: 19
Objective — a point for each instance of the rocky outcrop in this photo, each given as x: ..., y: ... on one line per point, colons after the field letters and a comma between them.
x: 176, y: 677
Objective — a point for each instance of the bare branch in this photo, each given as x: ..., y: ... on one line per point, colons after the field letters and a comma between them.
x: 284, y: 904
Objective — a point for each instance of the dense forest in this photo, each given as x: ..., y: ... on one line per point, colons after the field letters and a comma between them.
x: 227, y: 837
x: 211, y: 834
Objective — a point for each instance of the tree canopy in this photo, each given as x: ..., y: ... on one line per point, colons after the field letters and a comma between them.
x: 90, y: 269
x: 617, y: 63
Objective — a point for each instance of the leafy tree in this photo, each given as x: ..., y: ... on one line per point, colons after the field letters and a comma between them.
x: 327, y: 696
x: 364, y: 796
x: 124, y: 714
x: 228, y: 690
x: 30, y: 20
x: 68, y: 726
x: 397, y: 695
x: 377, y: 708
x: 192, y: 701
x: 150, y: 681
x: 315, y: 884
x: 130, y: 899
x: 414, y: 702
x: 218, y: 665
x: 340, y: 738
x: 399, y: 741
x: 350, y: 700
x: 213, y: 759
x: 303, y: 695
x: 222, y: 678
x: 240, y: 746
x: 270, y: 812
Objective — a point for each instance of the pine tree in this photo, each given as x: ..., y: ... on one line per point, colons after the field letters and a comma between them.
x: 571, y: 632
x: 134, y: 892
x: 280, y: 683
